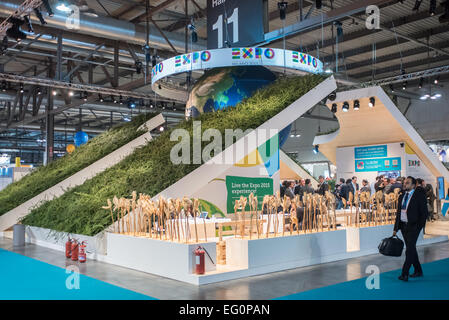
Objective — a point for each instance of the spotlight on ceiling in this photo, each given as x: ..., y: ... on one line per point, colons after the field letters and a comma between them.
x: 39, y: 91
x: 391, y: 88
x: 432, y: 7
x: 192, y: 28
x: 54, y: 92
x: 14, y: 31
x: 404, y: 85
x: 4, y: 86
x: 334, y: 108
x: 100, y: 97
x: 356, y: 104
x: 71, y: 93
x: 421, y: 82
x: 21, y: 88
x: 316, y: 149
x: 332, y: 96
x: 345, y: 106
x: 38, y: 14
x: 131, y: 104
x: 121, y: 99
x: 435, y: 81
x: 48, y: 8
x: 138, y: 64
x: 372, y: 102
x: 85, y: 96
x: 114, y: 99
x: 282, y: 6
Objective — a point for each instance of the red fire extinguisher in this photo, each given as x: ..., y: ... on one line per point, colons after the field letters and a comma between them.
x: 75, y: 249
x: 199, y: 261
x: 82, y: 253
x: 68, y: 248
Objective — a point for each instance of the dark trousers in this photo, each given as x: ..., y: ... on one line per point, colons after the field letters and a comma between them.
x: 411, y: 255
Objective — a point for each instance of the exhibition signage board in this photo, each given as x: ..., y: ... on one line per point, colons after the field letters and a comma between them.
x: 234, y: 23
x: 243, y: 186
x: 381, y: 164
x: 370, y: 152
x: 231, y: 57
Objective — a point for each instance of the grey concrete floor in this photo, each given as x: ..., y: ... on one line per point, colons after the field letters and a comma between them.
x: 262, y: 287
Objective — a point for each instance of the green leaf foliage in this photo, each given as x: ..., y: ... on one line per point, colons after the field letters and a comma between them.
x: 149, y: 169
x: 47, y: 176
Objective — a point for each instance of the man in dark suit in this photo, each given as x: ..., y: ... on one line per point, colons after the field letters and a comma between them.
x: 410, y: 218
x: 322, y: 187
x: 299, y: 186
x: 345, y: 190
x: 354, y: 185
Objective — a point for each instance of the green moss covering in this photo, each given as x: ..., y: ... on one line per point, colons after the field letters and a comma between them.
x: 149, y: 169
x: 47, y: 176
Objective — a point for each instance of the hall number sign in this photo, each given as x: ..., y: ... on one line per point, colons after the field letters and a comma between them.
x: 234, y: 23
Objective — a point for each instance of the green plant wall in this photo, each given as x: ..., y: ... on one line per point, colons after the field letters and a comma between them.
x: 149, y: 169
x: 47, y: 176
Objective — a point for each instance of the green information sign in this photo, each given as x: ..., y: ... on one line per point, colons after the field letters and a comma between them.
x: 243, y: 186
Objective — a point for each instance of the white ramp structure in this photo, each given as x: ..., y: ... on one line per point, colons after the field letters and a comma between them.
x: 289, y: 167
x: 13, y: 216
x: 383, y: 123
x: 200, y: 177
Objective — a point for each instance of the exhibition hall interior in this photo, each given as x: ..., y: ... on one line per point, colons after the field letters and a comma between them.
x: 224, y: 150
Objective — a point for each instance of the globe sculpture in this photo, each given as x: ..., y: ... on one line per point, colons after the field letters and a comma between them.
x: 221, y: 88
x: 80, y: 138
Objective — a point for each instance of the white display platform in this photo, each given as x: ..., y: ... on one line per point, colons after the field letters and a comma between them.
x: 286, y: 252
x: 244, y: 257
x: 95, y: 246
x: 210, y: 227
x: 167, y: 259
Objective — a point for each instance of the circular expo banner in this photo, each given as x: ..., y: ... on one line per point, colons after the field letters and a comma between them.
x: 231, y: 57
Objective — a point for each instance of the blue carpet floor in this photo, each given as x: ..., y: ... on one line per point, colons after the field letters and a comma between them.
x: 433, y: 286
x: 23, y: 278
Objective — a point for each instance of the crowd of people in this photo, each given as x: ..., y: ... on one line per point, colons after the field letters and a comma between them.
x: 300, y: 187
x: 344, y: 187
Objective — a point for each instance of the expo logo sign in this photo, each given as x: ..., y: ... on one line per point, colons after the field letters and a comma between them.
x: 414, y: 163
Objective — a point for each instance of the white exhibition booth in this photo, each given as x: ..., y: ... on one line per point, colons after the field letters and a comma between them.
x: 249, y: 257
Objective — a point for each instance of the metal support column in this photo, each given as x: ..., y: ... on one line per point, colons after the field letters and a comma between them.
x: 50, y: 118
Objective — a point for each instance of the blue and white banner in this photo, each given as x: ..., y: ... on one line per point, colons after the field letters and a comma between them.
x: 381, y: 164
x: 370, y: 152
x: 231, y: 57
